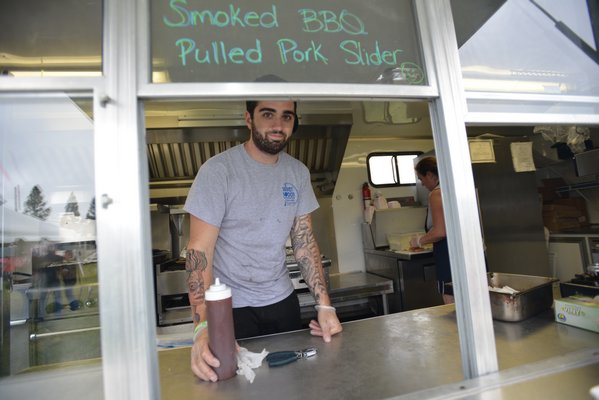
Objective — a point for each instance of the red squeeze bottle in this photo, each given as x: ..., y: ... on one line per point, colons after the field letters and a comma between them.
x: 366, y: 194
x: 221, y: 331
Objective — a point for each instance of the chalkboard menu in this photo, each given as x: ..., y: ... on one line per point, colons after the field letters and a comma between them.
x: 350, y: 41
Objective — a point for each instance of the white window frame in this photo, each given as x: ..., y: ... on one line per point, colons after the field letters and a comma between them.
x: 393, y: 167
x: 130, y: 366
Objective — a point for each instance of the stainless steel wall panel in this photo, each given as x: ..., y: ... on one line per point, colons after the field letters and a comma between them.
x: 511, y: 215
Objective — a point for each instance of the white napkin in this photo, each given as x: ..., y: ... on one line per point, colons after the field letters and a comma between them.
x: 505, y: 289
x: 246, y: 361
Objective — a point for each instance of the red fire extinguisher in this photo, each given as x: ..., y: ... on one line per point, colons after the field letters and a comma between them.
x: 366, y: 195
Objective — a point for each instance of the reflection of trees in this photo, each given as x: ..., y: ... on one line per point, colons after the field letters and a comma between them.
x: 72, y: 205
x: 91, y: 212
x: 2, y: 201
x: 35, y: 205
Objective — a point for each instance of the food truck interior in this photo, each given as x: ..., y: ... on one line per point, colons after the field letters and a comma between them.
x: 522, y: 221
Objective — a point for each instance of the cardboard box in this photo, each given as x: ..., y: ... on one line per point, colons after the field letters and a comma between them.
x: 561, y: 210
x: 554, y: 183
x: 555, y: 223
x: 577, y: 202
x: 578, y: 311
x: 549, y: 188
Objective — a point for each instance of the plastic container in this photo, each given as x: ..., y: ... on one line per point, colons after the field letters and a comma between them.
x: 221, y: 331
x: 401, y: 241
x: 380, y: 203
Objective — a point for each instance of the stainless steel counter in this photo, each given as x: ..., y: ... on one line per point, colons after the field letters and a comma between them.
x: 390, y: 356
x: 393, y: 355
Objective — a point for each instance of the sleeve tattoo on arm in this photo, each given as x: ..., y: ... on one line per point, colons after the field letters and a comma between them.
x: 308, y: 255
x: 195, y: 264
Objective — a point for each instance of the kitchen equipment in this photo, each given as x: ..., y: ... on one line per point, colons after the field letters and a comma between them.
x: 587, y: 163
x: 175, y: 155
x: 594, y: 250
x: 535, y: 294
x: 413, y: 275
x: 170, y: 277
x: 581, y: 284
x: 172, y: 302
x: 511, y: 215
x: 295, y: 274
x: 176, y: 216
x: 593, y: 269
x: 392, y: 221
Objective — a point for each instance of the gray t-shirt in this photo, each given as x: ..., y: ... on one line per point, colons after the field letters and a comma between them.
x: 254, y: 206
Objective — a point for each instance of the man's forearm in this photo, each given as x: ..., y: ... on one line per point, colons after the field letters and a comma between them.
x: 314, y: 277
x: 307, y: 255
x: 196, y: 266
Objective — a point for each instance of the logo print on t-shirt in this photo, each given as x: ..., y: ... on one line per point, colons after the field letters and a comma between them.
x: 289, y: 194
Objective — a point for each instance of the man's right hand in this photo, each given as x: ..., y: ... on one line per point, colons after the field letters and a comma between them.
x: 202, y: 358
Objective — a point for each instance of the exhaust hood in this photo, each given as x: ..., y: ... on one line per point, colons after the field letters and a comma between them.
x: 176, y: 154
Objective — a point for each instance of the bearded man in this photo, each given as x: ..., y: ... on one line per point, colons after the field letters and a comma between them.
x: 244, y: 204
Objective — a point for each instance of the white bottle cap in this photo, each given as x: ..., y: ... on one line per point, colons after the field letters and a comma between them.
x: 218, y: 291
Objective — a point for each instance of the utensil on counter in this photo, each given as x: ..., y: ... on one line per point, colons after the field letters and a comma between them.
x: 280, y: 358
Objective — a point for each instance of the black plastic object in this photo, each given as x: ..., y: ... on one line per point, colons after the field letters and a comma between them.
x: 280, y: 358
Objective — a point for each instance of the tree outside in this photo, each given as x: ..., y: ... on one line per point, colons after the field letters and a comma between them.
x: 72, y: 205
x: 91, y: 212
x: 36, y: 205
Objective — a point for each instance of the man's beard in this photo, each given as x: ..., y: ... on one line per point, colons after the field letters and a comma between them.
x: 267, y: 146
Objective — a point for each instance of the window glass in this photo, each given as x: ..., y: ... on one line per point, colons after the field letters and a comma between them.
x: 391, y: 169
x: 532, y: 47
x: 51, y: 38
x: 311, y: 41
x: 48, y: 253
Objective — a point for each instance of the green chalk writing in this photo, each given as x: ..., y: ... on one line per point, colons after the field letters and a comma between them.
x: 356, y: 53
x: 329, y: 22
x: 230, y: 17
x: 290, y: 51
x: 217, y: 52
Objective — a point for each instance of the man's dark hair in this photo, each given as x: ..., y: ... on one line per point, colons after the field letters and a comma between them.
x: 250, y: 106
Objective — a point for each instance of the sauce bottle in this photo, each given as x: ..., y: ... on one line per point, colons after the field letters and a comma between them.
x: 221, y: 332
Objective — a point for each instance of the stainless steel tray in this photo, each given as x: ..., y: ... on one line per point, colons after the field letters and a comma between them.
x: 535, y: 295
